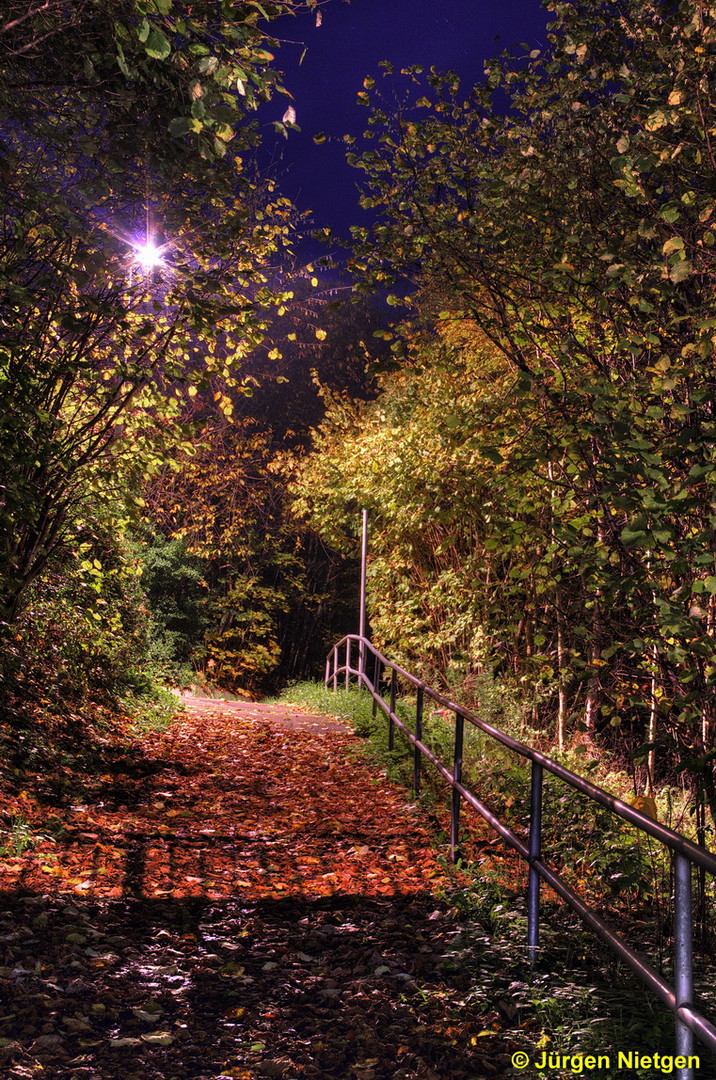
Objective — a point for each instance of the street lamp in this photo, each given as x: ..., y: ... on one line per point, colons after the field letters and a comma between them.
x: 148, y: 256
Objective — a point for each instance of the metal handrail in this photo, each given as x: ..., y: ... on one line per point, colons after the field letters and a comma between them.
x: 678, y: 997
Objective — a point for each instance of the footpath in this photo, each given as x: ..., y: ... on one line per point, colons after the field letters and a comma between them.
x: 243, y: 897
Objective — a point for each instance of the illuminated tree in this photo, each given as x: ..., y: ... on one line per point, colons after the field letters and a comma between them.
x: 134, y: 243
x: 565, y: 208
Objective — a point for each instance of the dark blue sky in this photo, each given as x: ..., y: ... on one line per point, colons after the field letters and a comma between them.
x: 450, y: 34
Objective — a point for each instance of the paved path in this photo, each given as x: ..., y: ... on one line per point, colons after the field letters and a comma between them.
x: 284, y: 717
x: 244, y: 898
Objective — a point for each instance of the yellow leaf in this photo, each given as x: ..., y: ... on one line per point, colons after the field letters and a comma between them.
x: 645, y: 805
x: 655, y: 121
x: 321, y: 335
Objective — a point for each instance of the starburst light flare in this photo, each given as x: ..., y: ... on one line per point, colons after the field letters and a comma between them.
x: 148, y: 255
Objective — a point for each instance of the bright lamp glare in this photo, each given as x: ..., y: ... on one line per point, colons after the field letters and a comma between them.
x: 148, y: 255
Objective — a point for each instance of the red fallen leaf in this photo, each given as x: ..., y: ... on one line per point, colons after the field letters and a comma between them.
x: 225, y: 824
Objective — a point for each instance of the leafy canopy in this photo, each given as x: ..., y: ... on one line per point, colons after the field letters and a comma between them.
x: 565, y: 209
x: 122, y: 123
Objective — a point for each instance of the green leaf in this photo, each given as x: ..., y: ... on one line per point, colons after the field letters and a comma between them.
x: 157, y: 45
x: 680, y: 271
x: 631, y: 536
x: 675, y: 243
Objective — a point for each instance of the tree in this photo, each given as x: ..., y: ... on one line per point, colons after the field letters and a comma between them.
x: 270, y: 585
x: 460, y: 541
x: 122, y: 129
x: 277, y: 594
x: 566, y: 207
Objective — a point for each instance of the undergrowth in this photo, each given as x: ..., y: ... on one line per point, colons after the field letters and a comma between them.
x: 16, y: 835
x: 577, y: 998
x: 152, y: 710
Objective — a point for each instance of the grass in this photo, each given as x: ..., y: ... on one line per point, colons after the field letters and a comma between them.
x: 17, y: 837
x: 152, y: 710
x: 351, y: 705
x: 577, y: 998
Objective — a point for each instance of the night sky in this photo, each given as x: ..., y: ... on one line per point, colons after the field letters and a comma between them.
x: 449, y: 34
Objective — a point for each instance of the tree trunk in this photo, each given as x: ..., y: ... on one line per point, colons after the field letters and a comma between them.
x: 562, y: 710
x: 592, y: 703
x: 653, y: 706
x: 561, y: 651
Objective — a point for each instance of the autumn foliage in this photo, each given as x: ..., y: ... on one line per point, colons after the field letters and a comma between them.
x: 240, y: 894
x: 539, y: 467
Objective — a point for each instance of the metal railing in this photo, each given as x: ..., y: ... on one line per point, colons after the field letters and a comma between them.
x: 679, y: 997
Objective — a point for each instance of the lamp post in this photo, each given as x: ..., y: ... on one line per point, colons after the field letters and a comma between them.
x: 361, y: 617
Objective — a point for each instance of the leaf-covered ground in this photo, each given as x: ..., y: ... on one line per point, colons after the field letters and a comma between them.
x: 240, y: 896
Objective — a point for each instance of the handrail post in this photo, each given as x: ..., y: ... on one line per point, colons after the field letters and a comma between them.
x: 683, y: 965
x: 335, y: 667
x: 376, y: 684
x: 457, y: 779
x: 348, y: 662
x: 418, y: 736
x: 535, y: 853
x: 328, y: 671
x: 393, y: 695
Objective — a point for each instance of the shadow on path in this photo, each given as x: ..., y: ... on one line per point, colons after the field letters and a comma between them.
x: 342, y: 987
x: 258, y: 903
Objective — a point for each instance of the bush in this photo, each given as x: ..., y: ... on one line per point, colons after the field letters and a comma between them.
x: 86, y: 634
x: 177, y: 596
